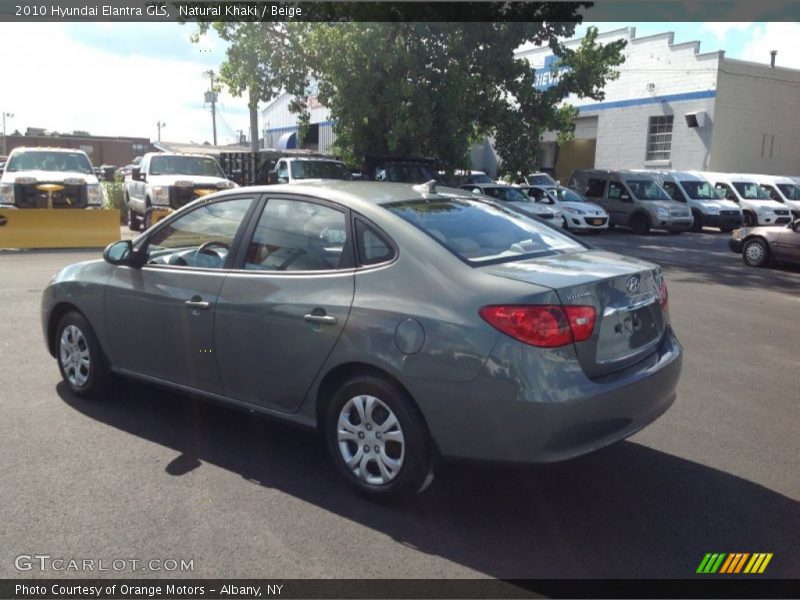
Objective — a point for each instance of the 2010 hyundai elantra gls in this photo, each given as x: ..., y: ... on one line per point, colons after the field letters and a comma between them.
x: 404, y: 323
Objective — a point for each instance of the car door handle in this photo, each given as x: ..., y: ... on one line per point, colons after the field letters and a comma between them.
x: 198, y: 304
x: 322, y: 319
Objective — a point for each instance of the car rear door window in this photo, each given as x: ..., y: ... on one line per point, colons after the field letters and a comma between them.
x: 295, y: 235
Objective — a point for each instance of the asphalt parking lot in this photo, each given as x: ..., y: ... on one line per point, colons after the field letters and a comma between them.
x: 151, y: 474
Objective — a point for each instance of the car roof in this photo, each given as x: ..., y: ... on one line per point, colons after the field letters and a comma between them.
x: 20, y: 149
x: 362, y: 196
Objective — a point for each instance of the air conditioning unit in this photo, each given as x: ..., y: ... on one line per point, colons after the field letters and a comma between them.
x: 696, y: 119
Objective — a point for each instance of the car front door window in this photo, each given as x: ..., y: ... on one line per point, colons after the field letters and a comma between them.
x: 201, y: 238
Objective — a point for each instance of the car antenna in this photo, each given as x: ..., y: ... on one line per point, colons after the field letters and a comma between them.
x: 429, y: 187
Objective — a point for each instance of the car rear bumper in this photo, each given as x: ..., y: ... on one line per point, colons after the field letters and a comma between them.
x: 544, y: 416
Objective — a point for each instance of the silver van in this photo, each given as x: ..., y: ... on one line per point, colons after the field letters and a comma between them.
x: 632, y: 199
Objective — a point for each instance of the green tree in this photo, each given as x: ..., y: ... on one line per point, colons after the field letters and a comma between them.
x: 435, y: 88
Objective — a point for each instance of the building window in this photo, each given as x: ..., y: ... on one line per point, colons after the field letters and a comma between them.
x: 659, y: 138
x: 139, y: 149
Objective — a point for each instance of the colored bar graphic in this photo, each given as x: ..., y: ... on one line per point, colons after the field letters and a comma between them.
x: 734, y: 563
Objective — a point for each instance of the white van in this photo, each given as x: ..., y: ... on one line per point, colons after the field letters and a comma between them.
x: 782, y: 189
x: 756, y: 204
x: 709, y: 208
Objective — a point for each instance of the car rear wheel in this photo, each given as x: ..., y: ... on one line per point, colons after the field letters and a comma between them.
x: 640, y: 224
x: 749, y: 219
x: 148, y: 218
x: 378, y: 440
x: 80, y: 358
x: 755, y: 253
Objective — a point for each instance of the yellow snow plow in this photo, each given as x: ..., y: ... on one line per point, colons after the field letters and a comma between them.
x: 58, y: 228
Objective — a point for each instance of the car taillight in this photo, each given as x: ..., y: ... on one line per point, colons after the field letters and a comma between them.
x: 546, y: 326
x: 663, y: 295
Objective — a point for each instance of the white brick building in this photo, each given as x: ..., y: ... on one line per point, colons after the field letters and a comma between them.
x: 672, y: 107
x: 676, y: 108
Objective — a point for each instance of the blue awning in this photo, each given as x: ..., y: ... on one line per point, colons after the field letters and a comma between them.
x: 288, y: 141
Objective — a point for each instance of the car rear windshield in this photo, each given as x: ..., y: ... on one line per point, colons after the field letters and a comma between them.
x: 507, y: 194
x: 700, y: 190
x: 43, y: 160
x: 481, y: 232
x: 749, y: 190
x: 646, y: 189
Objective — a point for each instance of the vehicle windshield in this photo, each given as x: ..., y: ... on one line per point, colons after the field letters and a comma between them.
x: 646, y: 189
x: 790, y: 190
x: 404, y: 173
x: 700, y: 190
x: 319, y: 169
x: 750, y: 190
x: 480, y: 232
x: 185, y: 165
x: 507, y: 194
x: 540, y: 179
x: 562, y: 194
x: 480, y: 178
x: 43, y: 160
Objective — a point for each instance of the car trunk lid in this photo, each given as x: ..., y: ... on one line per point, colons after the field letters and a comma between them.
x: 624, y: 292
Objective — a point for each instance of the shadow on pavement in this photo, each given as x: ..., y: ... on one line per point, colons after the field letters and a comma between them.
x: 626, y: 512
x: 699, y: 257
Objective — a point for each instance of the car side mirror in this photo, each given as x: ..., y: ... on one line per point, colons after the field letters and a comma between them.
x: 119, y: 253
x: 136, y: 174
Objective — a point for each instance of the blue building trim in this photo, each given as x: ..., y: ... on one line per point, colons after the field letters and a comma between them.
x: 294, y: 127
x: 645, y: 101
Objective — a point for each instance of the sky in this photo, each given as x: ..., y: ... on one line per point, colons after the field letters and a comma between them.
x: 120, y: 79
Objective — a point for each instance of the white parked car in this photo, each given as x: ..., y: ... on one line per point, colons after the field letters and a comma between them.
x: 516, y: 199
x: 782, y: 189
x: 577, y: 212
x: 744, y: 190
x: 709, y: 207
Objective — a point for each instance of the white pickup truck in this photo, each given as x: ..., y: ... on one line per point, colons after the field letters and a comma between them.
x: 170, y: 181
x: 49, y: 178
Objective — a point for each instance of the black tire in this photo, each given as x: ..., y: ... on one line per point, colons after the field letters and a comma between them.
x: 749, y: 219
x: 93, y: 380
x: 639, y: 224
x: 134, y: 223
x: 697, y: 225
x: 148, y: 218
x: 416, y: 468
x: 726, y: 229
x: 758, y: 254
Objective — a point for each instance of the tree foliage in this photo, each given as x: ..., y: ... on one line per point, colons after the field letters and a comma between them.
x: 424, y: 88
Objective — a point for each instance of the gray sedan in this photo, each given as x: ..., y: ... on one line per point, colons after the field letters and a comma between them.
x: 404, y: 323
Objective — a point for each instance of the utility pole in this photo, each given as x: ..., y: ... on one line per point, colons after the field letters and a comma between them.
x: 160, y: 125
x: 211, y: 96
x: 9, y: 115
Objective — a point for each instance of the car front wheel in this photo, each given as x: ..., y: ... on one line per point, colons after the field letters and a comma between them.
x: 378, y: 440
x: 79, y: 356
x: 755, y: 253
x: 640, y: 224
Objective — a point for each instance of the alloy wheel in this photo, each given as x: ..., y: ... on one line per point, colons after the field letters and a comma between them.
x: 75, y: 357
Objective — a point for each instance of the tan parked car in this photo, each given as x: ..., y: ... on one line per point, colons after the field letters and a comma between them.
x: 759, y: 246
